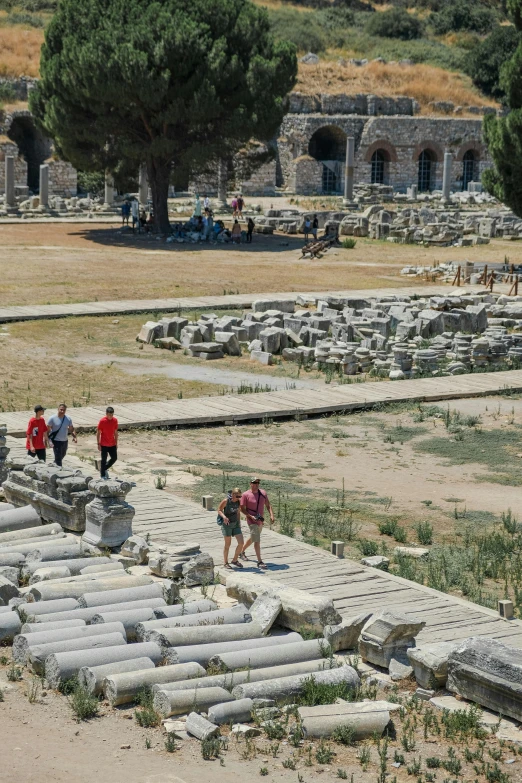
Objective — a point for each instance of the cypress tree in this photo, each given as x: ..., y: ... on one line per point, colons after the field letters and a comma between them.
x: 503, y: 135
x: 168, y: 83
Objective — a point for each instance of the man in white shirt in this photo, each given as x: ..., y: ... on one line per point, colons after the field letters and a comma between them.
x: 59, y: 427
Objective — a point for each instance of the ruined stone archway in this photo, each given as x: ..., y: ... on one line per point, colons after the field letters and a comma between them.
x: 328, y: 146
x: 33, y: 146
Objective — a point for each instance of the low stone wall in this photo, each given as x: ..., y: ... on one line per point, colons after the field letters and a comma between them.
x: 63, y: 178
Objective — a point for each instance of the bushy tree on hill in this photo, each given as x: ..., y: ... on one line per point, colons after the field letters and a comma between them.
x: 503, y: 135
x: 395, y: 23
x: 486, y: 59
x: 172, y: 83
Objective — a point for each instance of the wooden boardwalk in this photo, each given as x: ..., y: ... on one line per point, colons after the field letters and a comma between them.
x: 169, y: 519
x: 354, y: 588
x: 233, y: 301
x: 235, y: 408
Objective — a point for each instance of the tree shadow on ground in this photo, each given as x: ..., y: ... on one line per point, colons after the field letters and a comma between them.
x: 114, y: 236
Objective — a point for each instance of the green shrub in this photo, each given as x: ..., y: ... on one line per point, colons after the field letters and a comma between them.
x: 349, y: 243
x: 463, y: 15
x: 26, y: 19
x: 424, y: 533
x: 368, y: 548
x: 83, y: 704
x: 484, y: 62
x: 344, y: 735
x: 7, y: 93
x: 92, y: 182
x: 395, y: 23
x: 298, y: 27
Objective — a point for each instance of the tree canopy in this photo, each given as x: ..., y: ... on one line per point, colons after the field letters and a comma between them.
x: 503, y: 135
x: 179, y: 83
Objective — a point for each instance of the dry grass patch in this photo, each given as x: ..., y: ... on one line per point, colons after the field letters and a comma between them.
x: 20, y: 51
x: 425, y: 83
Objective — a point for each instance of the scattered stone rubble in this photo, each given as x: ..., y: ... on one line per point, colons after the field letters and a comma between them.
x: 393, y: 336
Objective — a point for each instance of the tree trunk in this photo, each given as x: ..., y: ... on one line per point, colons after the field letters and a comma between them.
x: 158, y: 172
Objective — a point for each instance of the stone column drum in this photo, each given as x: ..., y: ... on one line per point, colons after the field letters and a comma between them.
x: 348, y: 173
x: 44, y: 186
x: 108, y: 518
x: 446, y: 176
x: 10, y: 200
x: 4, y: 451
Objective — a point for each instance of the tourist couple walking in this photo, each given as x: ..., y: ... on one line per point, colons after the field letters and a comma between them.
x: 57, y: 430
x: 252, y: 504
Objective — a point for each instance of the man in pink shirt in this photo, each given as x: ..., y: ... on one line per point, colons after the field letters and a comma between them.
x: 253, y: 503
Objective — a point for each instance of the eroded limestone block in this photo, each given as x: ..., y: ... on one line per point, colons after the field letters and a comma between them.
x: 387, y: 633
x: 345, y: 635
x: 199, y: 570
x: 137, y: 548
x: 430, y: 663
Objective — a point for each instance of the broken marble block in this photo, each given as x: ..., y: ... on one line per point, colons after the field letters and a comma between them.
x: 430, y: 663
x: 376, y: 561
x: 137, y: 548
x: 488, y: 673
x: 166, y: 566
x: 108, y: 518
x: 199, y: 570
x: 8, y: 590
x: 388, y: 635
x: 346, y: 635
x: 265, y: 610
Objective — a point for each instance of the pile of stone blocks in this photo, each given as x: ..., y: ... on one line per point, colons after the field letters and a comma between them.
x: 385, y: 640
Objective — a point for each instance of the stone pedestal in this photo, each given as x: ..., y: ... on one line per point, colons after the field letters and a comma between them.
x: 108, y: 518
x: 446, y: 176
x: 44, y: 187
x: 143, y: 192
x: 348, y: 170
x: 10, y: 200
x: 4, y: 451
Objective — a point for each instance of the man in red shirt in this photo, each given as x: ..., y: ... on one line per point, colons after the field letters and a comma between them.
x: 107, y: 437
x: 37, y: 441
x: 253, y: 503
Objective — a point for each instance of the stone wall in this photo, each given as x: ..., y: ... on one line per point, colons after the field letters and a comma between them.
x: 307, y: 175
x: 63, y: 178
x: 369, y: 105
x: 9, y: 149
x: 260, y: 182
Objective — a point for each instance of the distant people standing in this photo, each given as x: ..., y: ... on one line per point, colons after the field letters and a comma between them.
x: 236, y: 233
x: 135, y: 211
x: 197, y: 208
x: 206, y: 203
x: 250, y: 229
x: 307, y: 226
x: 125, y: 213
x: 107, y: 439
x: 229, y: 517
x: 253, y: 503
x: 240, y: 205
x: 37, y: 440
x: 59, y: 427
x: 234, y: 207
x: 315, y: 226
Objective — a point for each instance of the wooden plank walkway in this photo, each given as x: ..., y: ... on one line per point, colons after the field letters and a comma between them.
x: 169, y: 519
x: 234, y: 408
x: 354, y: 588
x: 233, y: 301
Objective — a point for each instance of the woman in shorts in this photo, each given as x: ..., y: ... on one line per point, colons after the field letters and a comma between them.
x: 229, y: 517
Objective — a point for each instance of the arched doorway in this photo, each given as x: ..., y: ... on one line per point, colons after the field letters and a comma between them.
x: 33, y: 146
x: 468, y: 168
x: 328, y: 145
x: 426, y: 170
x: 379, y: 162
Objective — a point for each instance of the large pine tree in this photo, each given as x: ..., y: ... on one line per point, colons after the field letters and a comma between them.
x: 503, y: 135
x: 169, y: 83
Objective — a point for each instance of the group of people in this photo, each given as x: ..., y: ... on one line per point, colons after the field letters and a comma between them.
x: 251, y: 504
x: 130, y: 210
x: 311, y: 227
x: 41, y: 435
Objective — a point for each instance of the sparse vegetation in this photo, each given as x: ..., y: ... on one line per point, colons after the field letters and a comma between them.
x: 146, y: 716
x: 83, y: 704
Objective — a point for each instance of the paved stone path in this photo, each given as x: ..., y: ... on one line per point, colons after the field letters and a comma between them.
x: 42, y: 312
x: 234, y: 408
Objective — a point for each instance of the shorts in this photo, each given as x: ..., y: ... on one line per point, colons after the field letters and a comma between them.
x: 231, y: 530
x: 255, y: 533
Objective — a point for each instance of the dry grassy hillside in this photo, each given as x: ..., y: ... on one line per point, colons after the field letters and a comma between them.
x: 20, y: 50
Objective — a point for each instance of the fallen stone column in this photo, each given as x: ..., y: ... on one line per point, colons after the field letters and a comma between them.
x: 239, y: 711
x: 83, y: 578
x: 270, y: 656
x: 6, y: 609
x: 75, y: 566
x: 92, y: 677
x: 38, y: 544
x: 12, y: 559
x: 24, y: 642
x: 10, y: 625
x: 114, y: 565
x: 62, y: 666
x: 233, y: 616
x: 40, y: 531
x: 90, y: 612
x: 285, y: 687
x: 46, y: 591
x: 49, y: 552
x: 123, y: 688
x: 365, y: 719
x: 200, y: 727
x: 230, y: 679
x: 47, y: 607
x: 49, y: 574
x: 488, y: 673
x: 203, y: 634
x: 8, y: 590
x: 40, y: 652
x: 128, y: 617
x: 144, y: 589
x: 190, y: 607
x: 168, y: 703
x: 32, y: 628
x: 18, y: 519
x: 202, y: 653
